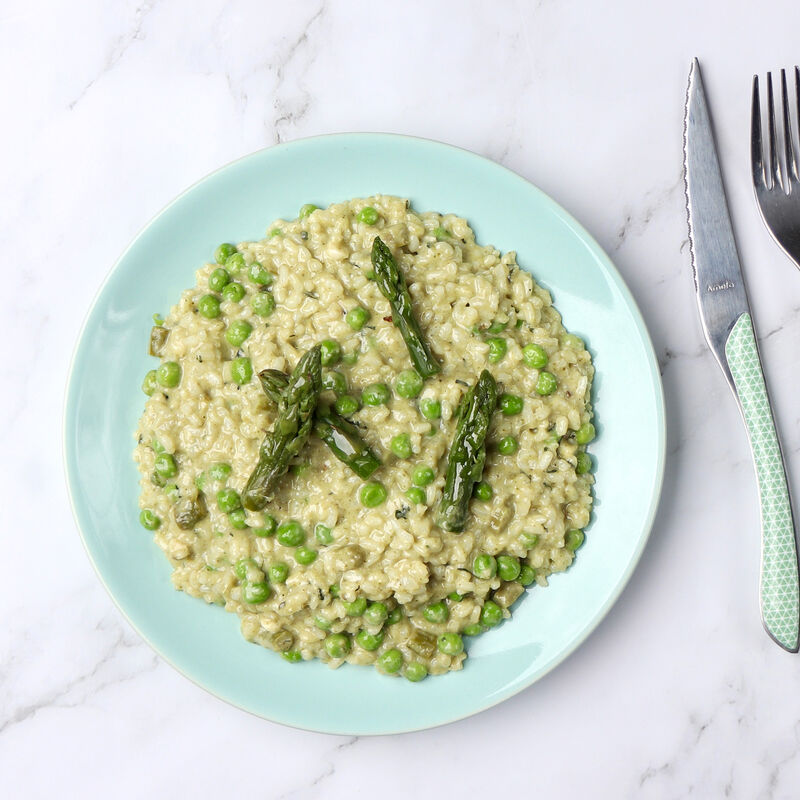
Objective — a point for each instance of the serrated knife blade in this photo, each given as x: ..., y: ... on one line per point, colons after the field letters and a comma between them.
x: 717, y: 270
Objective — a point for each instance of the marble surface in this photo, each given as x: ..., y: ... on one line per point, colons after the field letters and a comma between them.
x: 112, y: 108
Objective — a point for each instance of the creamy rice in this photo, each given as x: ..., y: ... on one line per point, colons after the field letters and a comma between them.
x: 394, y: 553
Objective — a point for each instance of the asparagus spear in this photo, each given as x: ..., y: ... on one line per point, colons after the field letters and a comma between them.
x: 467, y: 453
x: 393, y: 287
x: 190, y: 511
x: 341, y: 436
x: 290, y: 432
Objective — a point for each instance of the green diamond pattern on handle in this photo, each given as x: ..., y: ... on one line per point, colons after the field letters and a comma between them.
x: 780, y: 591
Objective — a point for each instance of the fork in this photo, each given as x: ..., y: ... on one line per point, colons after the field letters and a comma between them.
x: 777, y: 188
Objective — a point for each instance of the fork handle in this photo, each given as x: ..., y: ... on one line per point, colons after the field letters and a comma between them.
x: 780, y: 590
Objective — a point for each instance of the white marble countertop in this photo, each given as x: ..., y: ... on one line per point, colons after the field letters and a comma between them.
x: 112, y: 108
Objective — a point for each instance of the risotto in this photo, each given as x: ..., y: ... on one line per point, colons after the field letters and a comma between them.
x: 348, y: 562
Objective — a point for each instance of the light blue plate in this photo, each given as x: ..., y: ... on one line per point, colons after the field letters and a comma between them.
x: 237, y: 203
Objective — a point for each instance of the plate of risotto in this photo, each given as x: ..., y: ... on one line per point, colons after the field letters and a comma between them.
x: 364, y: 434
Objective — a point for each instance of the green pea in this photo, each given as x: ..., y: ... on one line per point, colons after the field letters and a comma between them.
x: 376, y: 614
x: 259, y: 274
x: 529, y: 540
x: 346, y: 405
x: 369, y: 641
x: 149, y: 519
x: 390, y: 661
x: 376, y: 394
x: 172, y: 491
x: 234, y: 262
x: 415, y: 671
x: 440, y: 233
x: 356, y: 608
x: 508, y: 568
x: 330, y: 352
x: 585, y: 433
x: 574, y: 539
x: 337, y: 645
x: 534, y: 356
x: 455, y: 597
x: 200, y: 481
x: 168, y: 374
x: 208, y: 306
x: 473, y: 630
x: 357, y: 318
x: 436, y: 612
x: 322, y: 623
x: 527, y: 575
x: 238, y: 519
x: 290, y: 533
x: 223, y: 252
x: 497, y: 349
x: 263, y: 304
x: 416, y: 495
x: 401, y: 445
x: 484, y: 566
x: 278, y: 572
x: 241, y: 370
x: 219, y: 471
x: 218, y: 279
x: 422, y: 475
x: 165, y: 466
x: 257, y: 592
x: 451, y: 644
x: 482, y: 491
x: 150, y: 383
x: 546, y: 383
x: 228, y: 500
x: 323, y: 533
x: 267, y: 528
x: 292, y: 656
x: 234, y: 292
x: 497, y: 327
x: 395, y: 615
x: 334, y: 382
x: 510, y: 404
x: 491, y: 614
x: 507, y: 446
x: 334, y: 589
x: 584, y: 464
x: 237, y: 332
x: 430, y: 409
x: 306, y: 210
x: 409, y: 383
x: 368, y: 215
x: 372, y: 494
x: 243, y: 567
x: 305, y: 555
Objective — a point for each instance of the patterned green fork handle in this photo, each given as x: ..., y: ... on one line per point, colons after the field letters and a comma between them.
x: 780, y: 589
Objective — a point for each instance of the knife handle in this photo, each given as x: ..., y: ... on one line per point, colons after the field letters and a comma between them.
x: 780, y: 590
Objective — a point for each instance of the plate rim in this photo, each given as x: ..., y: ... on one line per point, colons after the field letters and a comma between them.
x: 655, y: 378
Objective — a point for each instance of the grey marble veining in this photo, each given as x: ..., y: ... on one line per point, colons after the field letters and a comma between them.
x: 112, y: 108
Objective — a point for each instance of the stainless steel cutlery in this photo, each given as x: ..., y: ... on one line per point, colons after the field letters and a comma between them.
x: 728, y: 327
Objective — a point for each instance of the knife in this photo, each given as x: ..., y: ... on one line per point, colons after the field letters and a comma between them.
x: 728, y: 327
